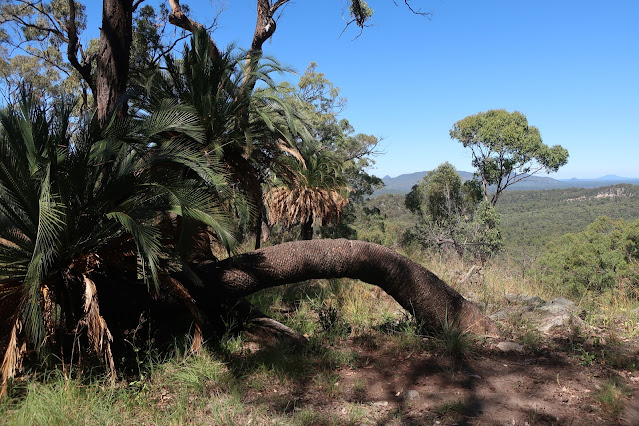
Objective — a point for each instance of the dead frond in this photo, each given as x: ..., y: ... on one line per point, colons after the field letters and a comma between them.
x: 97, y: 330
x: 288, y: 206
x: 178, y: 290
x: 292, y: 151
x: 12, y: 361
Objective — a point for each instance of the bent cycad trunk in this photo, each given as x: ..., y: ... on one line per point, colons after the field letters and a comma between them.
x: 414, y: 287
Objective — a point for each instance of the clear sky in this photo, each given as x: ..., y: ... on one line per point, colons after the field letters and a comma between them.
x: 570, y: 66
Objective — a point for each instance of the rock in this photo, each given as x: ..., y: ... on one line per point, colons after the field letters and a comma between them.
x: 510, y: 347
x: 380, y: 404
x: 559, y: 306
x: 411, y: 395
x: 548, y: 324
x: 559, y: 313
x: 501, y: 314
x: 524, y: 299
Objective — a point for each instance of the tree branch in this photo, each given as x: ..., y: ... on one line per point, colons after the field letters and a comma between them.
x: 179, y: 19
x: 136, y: 4
x: 416, y: 12
x: 72, y: 49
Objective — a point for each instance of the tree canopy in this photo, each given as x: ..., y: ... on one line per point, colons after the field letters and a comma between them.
x: 451, y: 214
x: 506, y: 149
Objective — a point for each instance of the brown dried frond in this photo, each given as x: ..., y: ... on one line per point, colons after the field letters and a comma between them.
x: 49, y: 311
x: 12, y: 361
x: 178, y: 290
x: 198, y: 339
x: 97, y: 330
x: 289, y: 206
x: 292, y: 151
x: 8, y: 243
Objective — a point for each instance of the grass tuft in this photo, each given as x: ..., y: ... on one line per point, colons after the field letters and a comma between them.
x: 611, y: 397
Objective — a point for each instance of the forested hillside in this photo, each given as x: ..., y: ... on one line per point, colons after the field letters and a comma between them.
x: 529, y: 219
x: 532, y: 218
x: 403, y: 183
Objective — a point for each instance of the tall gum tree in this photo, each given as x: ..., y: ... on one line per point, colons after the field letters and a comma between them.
x: 506, y: 149
x: 112, y: 74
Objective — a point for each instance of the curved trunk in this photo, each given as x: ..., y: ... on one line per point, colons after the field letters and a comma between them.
x: 414, y: 287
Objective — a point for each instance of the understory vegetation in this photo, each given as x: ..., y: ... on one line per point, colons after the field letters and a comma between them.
x: 239, y: 379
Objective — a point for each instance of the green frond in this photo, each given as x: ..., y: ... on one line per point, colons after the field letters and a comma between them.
x: 173, y: 117
x: 147, y: 241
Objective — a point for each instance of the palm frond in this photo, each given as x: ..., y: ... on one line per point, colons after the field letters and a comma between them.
x: 147, y: 241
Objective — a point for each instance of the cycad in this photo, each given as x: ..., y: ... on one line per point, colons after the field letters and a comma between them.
x: 253, y: 130
x: 73, y: 205
x: 319, y: 193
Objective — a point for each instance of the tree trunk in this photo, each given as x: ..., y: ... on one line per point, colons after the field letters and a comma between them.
x: 306, y: 232
x: 414, y: 287
x: 113, y: 57
x: 258, y: 228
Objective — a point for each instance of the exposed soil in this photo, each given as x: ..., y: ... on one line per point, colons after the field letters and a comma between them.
x: 490, y: 387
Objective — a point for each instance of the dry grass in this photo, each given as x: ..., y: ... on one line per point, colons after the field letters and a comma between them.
x: 237, y: 384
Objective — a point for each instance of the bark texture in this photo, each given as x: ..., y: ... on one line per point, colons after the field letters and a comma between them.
x: 414, y: 287
x: 113, y: 58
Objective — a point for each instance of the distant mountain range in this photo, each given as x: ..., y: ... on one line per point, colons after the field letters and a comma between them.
x: 403, y: 183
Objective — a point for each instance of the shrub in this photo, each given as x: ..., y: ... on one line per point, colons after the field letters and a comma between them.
x: 604, y: 254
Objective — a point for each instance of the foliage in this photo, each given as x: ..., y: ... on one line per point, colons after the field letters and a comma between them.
x: 37, y: 30
x: 330, y: 140
x: 318, y: 194
x: 450, y: 214
x: 321, y: 106
x: 73, y: 204
x: 254, y: 132
x: 441, y: 196
x: 530, y: 219
x: 601, y: 257
x: 505, y: 149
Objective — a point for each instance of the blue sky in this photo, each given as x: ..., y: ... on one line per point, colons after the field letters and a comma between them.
x: 570, y: 66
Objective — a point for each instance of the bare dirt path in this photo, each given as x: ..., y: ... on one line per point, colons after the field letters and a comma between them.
x: 489, y: 388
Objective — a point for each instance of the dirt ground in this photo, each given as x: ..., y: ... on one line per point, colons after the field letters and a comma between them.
x: 493, y: 388
x: 489, y: 388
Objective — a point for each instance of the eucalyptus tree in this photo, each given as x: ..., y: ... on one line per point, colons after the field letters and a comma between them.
x: 451, y: 214
x: 506, y: 149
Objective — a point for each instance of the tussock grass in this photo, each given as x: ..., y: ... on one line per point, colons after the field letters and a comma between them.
x: 60, y: 400
x: 611, y: 397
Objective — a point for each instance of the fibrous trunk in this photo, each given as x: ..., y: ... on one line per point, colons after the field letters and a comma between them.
x: 306, y: 231
x: 418, y: 290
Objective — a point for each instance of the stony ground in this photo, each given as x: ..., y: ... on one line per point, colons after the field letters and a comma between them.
x: 557, y: 371
x: 489, y: 387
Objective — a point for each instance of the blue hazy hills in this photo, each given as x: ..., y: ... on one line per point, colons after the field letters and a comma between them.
x: 403, y: 183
